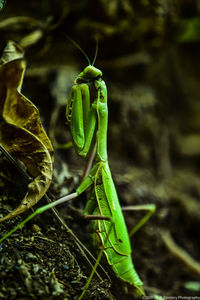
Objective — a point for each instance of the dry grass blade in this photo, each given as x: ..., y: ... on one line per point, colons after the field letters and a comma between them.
x: 180, y: 253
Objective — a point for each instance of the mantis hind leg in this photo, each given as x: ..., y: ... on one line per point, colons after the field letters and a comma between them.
x: 150, y: 210
x: 90, y: 205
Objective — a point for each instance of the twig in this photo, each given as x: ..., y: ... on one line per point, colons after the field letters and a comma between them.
x: 180, y: 253
x: 13, y: 162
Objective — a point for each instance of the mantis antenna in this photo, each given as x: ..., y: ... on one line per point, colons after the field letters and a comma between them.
x: 78, y: 47
x: 96, y: 51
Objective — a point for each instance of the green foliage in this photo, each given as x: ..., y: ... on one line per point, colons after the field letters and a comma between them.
x: 2, y: 3
x: 189, y: 30
x: 192, y: 286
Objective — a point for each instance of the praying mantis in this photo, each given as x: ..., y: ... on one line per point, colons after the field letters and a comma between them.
x: 88, y: 121
x: 103, y: 200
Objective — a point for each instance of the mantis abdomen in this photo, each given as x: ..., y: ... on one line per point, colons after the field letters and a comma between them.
x: 111, y: 234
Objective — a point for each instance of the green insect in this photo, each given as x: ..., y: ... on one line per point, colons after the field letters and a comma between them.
x: 88, y: 124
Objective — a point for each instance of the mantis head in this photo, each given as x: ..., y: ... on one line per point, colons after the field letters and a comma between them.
x: 89, y: 74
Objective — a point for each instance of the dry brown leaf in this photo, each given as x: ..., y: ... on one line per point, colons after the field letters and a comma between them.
x: 21, y: 131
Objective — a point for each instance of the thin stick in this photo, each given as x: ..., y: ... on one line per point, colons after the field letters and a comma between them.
x: 46, y: 207
x: 13, y: 162
x: 180, y: 253
x: 96, y: 263
x: 79, y: 244
x: 40, y: 210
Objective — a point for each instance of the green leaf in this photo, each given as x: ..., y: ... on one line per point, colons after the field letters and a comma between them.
x: 189, y: 30
x: 2, y: 3
x: 192, y: 286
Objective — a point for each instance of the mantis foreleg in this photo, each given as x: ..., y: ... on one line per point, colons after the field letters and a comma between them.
x: 82, y: 117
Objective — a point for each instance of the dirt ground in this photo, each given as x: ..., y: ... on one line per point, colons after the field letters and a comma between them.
x: 149, y: 55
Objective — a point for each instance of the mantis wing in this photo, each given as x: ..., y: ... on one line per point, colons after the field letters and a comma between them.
x: 109, y: 206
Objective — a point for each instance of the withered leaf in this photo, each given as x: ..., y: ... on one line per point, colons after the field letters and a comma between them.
x: 21, y: 131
